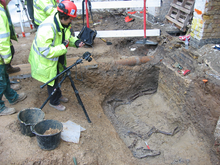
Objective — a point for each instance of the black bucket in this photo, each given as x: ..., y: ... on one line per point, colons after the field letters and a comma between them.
x: 48, y: 141
x: 28, y: 118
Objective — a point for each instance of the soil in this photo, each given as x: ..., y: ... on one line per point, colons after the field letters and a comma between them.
x: 129, y: 106
x: 51, y: 131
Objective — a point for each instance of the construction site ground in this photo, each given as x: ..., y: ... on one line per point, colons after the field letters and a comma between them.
x: 125, y: 102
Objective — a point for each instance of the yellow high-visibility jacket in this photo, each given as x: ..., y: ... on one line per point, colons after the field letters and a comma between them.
x: 47, y: 47
x: 43, y: 9
x: 5, y: 51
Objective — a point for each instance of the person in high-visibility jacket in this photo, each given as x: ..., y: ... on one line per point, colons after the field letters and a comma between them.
x: 43, y: 9
x: 13, y: 36
x: 48, y: 52
x: 5, y: 59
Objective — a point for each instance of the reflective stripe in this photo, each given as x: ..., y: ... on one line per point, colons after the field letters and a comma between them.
x: 46, y: 49
x: 6, y: 56
x: 38, y: 21
x: 5, y: 35
x: 52, y: 3
x: 38, y: 8
x: 48, y: 7
x: 42, y: 48
x: 52, y: 59
x: 54, y: 30
x: 35, y: 5
x: 2, y: 9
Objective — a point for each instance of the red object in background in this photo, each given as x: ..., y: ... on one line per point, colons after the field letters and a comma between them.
x: 141, y: 12
x: 127, y: 19
x: 183, y: 38
x: 132, y: 12
x: 199, y: 12
x: 23, y: 34
x: 87, y: 14
x: 185, y: 72
x: 147, y: 145
x: 3, y: 2
x: 67, y: 45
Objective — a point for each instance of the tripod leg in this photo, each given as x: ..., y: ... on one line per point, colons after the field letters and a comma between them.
x: 53, y: 92
x: 19, y: 11
x: 24, y: 8
x: 78, y: 98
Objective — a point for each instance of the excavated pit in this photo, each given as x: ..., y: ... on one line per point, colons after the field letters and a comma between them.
x: 151, y: 104
x: 142, y: 109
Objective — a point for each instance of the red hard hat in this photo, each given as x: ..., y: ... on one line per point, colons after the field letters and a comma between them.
x: 3, y: 3
x: 67, y: 7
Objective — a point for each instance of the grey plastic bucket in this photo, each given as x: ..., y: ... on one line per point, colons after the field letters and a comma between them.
x: 28, y: 118
x: 50, y: 141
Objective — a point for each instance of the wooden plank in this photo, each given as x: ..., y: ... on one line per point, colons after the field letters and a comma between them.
x: 180, y: 8
x: 180, y: 2
x: 26, y: 68
x: 181, y: 20
x: 173, y: 16
x: 120, y: 4
x: 188, y: 6
x: 174, y: 21
x: 126, y: 33
x: 178, y: 24
x: 185, y: 8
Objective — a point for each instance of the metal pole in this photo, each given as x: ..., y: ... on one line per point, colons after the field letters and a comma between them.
x: 19, y: 11
x: 24, y: 8
x: 87, y: 14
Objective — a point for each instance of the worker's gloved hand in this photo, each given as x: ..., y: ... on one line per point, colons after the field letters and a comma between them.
x: 66, y: 43
x: 79, y: 43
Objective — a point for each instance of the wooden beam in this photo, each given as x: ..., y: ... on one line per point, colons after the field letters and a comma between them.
x: 121, y: 4
x: 180, y: 8
x: 126, y: 33
x: 174, y: 21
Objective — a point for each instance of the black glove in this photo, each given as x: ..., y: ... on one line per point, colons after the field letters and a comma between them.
x: 77, y: 43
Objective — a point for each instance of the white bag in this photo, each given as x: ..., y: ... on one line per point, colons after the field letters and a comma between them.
x: 71, y: 132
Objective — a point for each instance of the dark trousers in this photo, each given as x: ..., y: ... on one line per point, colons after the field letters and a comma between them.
x: 12, y: 53
x: 5, y: 89
x: 54, y: 100
x: 30, y: 8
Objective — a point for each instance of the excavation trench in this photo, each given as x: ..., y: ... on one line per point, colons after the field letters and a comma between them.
x: 158, y: 114
x: 140, y: 107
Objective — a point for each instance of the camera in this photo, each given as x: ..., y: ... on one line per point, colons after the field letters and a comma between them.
x: 87, y: 57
